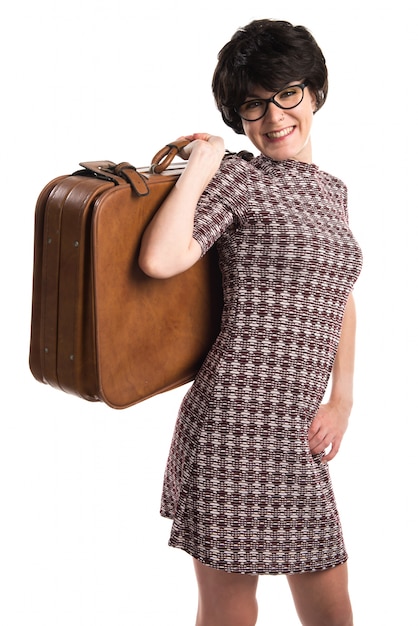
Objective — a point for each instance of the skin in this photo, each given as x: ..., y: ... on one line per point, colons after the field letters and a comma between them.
x: 168, y: 248
x: 298, y: 121
x: 320, y: 598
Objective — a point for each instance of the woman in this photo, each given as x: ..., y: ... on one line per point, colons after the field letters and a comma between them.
x: 247, y: 482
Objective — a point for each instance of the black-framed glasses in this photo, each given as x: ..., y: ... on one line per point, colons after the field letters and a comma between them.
x: 287, y: 98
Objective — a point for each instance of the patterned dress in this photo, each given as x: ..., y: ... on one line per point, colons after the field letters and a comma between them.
x: 244, y: 491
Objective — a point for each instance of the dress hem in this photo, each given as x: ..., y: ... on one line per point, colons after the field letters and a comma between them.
x: 258, y: 571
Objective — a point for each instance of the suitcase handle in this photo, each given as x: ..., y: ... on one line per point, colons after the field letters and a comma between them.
x: 172, y: 149
x: 167, y: 154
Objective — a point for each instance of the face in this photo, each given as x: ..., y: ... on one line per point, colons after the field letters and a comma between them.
x: 283, y: 133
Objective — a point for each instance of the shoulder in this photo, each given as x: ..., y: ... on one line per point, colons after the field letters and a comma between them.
x: 237, y: 164
x: 232, y: 179
x: 336, y: 189
x: 333, y: 181
x: 241, y: 171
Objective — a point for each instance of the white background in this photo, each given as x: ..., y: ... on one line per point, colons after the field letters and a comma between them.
x: 81, y: 540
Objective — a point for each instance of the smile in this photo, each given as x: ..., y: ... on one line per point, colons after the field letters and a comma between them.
x: 280, y: 133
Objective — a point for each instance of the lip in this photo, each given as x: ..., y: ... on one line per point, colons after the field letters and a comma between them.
x: 281, y: 133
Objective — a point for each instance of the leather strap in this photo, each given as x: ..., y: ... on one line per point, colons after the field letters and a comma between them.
x: 134, y: 178
x: 167, y: 154
x: 123, y: 172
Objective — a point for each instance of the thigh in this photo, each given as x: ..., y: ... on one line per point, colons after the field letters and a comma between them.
x: 225, y: 599
x: 322, y: 598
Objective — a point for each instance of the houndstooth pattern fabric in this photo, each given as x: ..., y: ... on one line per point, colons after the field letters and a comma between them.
x: 243, y: 489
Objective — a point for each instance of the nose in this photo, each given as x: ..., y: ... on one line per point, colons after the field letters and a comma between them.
x: 274, y: 111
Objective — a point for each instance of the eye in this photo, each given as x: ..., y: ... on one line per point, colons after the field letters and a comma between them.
x: 252, y: 105
x: 287, y: 93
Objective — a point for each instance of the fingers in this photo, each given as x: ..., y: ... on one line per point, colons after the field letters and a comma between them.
x: 318, y: 446
x: 316, y: 436
x: 327, y: 430
x: 320, y: 440
x: 201, y: 136
x: 330, y: 446
x: 332, y: 452
x: 198, y: 141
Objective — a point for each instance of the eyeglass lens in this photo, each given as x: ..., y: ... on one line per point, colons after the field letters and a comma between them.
x: 286, y: 99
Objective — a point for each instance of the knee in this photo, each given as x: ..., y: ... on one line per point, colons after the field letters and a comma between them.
x: 231, y: 614
x: 225, y: 599
x: 346, y: 620
x: 339, y: 617
x: 330, y: 619
x: 247, y: 616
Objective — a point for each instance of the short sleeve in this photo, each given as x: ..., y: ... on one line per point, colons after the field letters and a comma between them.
x: 338, y: 190
x: 221, y: 204
x: 344, y: 204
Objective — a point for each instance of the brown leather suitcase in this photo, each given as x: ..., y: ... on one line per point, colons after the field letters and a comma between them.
x: 101, y: 328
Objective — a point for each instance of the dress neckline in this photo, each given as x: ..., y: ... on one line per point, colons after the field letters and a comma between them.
x: 288, y: 166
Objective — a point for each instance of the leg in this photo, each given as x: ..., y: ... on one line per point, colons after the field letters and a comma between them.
x: 225, y: 599
x: 321, y: 598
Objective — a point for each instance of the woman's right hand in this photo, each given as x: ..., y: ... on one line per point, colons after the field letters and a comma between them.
x: 204, y: 145
x: 167, y: 246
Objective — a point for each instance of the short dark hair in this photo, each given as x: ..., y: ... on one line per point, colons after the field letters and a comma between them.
x: 269, y: 54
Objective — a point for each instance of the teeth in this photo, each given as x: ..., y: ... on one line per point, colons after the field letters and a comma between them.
x: 280, y: 133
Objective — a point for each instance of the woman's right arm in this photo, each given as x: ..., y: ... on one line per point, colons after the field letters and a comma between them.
x: 167, y: 246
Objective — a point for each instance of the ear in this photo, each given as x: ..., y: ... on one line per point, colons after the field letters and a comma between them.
x: 314, y: 103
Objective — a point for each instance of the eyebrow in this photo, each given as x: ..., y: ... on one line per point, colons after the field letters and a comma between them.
x: 254, y: 96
